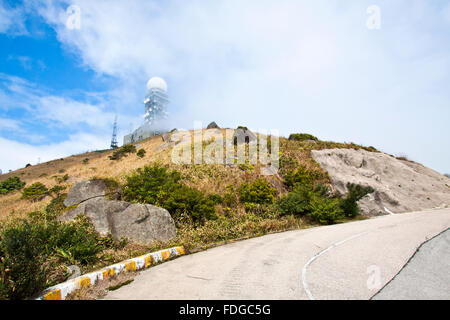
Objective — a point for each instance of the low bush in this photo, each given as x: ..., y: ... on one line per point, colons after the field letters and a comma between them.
x: 32, y: 250
x: 63, y: 178
x: 216, y: 198
x: 55, y: 207
x: 158, y: 186
x: 325, y: 210
x: 230, y: 198
x: 141, y: 153
x: 301, y: 176
x: 258, y: 192
x: 356, y: 192
x: 123, y: 152
x: 11, y: 184
x: 151, y: 184
x: 189, y: 200
x: 314, y: 203
x: 78, y: 240
x: 302, y: 137
x: 36, y: 192
x: 295, y: 202
x: 22, y: 272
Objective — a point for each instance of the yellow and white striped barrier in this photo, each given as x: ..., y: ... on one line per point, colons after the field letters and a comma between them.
x: 60, y: 291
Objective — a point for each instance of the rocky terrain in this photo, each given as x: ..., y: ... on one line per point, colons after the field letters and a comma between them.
x: 400, y: 185
x: 143, y: 223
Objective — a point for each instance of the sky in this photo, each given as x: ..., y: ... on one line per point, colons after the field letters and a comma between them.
x: 373, y: 72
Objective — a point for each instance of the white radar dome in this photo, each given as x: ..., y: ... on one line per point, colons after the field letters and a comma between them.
x: 157, y: 83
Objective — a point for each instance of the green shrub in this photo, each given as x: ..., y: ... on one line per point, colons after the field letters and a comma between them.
x: 37, y: 191
x: 302, y: 137
x: 55, y: 207
x: 141, y: 153
x: 62, y: 179
x: 85, y: 160
x: 29, y: 247
x: 315, y: 203
x: 11, y: 184
x: 189, y: 200
x: 356, y: 192
x: 22, y: 273
x: 295, y: 202
x: 123, y: 152
x: 151, y: 184
x: 158, y: 186
x: 287, y: 163
x: 216, y: 198
x: 56, y: 191
x: 230, y: 199
x: 300, y: 176
x: 325, y: 210
x: 78, y: 239
x: 322, y: 190
x: 258, y: 192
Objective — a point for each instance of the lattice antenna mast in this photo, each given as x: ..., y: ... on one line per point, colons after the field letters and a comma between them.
x: 114, y: 144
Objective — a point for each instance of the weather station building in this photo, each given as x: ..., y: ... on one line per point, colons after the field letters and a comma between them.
x: 155, y: 117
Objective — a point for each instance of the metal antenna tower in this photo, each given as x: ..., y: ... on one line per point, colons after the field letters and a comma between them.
x: 114, y: 135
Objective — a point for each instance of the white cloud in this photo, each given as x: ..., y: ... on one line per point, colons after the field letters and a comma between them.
x: 292, y: 65
x: 27, y: 153
x: 9, y: 124
x: 12, y: 20
x: 87, y: 125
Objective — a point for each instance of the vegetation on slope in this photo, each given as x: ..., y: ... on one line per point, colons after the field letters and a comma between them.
x: 209, y: 203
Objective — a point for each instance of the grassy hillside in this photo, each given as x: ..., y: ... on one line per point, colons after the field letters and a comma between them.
x: 207, y: 178
x: 230, y: 202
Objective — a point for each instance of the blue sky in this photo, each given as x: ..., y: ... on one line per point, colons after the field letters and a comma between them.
x: 291, y: 65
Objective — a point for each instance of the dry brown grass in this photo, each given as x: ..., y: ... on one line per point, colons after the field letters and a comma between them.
x: 204, y: 177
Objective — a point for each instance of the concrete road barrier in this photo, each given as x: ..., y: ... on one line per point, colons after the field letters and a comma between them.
x: 60, y: 291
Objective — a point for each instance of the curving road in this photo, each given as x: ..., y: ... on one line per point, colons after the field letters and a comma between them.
x: 346, y: 261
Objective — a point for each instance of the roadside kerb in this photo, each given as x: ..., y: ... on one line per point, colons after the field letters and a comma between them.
x: 60, y: 291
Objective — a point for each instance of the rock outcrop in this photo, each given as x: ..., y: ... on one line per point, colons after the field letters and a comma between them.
x: 143, y: 223
x: 401, y: 186
x: 212, y: 125
x: 85, y: 190
x: 243, y: 135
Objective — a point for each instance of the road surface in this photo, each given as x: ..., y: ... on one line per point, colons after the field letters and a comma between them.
x: 425, y: 276
x: 345, y: 261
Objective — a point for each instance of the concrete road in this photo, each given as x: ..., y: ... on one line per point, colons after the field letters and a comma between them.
x: 425, y: 276
x: 346, y: 261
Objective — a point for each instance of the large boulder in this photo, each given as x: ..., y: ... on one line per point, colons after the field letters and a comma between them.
x: 400, y: 185
x: 142, y: 223
x: 212, y: 125
x: 243, y: 135
x: 85, y: 190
